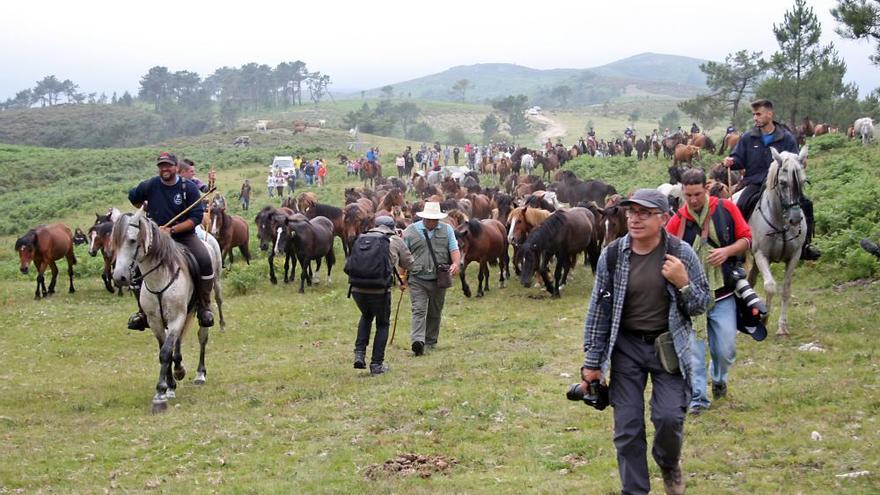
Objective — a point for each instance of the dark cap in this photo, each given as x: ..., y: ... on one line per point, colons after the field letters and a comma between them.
x: 384, y: 220
x: 649, y: 198
x: 166, y: 157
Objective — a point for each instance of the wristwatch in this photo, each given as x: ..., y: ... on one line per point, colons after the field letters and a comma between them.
x: 685, y: 291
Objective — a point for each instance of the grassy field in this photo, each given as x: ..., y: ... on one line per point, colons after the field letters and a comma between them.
x: 284, y: 412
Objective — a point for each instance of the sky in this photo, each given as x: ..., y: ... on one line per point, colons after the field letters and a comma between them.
x: 107, y: 46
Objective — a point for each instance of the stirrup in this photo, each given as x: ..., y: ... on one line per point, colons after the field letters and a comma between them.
x: 138, y: 321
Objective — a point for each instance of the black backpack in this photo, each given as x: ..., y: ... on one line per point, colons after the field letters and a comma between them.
x: 369, y: 264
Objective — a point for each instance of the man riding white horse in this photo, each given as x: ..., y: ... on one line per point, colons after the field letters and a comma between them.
x: 752, y: 154
x: 164, y: 197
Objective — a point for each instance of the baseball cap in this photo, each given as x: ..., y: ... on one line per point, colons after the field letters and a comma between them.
x: 166, y: 157
x: 649, y: 198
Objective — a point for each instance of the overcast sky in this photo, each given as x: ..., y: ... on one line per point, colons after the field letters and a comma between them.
x: 108, y: 45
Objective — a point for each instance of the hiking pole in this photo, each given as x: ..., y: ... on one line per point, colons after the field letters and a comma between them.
x: 396, y: 314
x: 190, y: 207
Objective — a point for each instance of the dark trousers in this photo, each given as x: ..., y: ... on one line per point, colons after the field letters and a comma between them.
x: 378, y: 307
x: 631, y: 362
x: 195, y: 245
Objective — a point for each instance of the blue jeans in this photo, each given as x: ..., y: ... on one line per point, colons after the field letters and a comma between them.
x: 722, y: 349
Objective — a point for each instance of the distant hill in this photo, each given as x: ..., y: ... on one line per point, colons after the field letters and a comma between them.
x: 646, y: 74
x: 81, y: 126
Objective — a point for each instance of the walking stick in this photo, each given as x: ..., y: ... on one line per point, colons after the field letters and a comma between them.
x: 190, y: 207
x: 396, y: 313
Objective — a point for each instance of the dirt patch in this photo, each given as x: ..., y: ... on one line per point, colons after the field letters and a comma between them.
x: 404, y: 465
x: 552, y: 128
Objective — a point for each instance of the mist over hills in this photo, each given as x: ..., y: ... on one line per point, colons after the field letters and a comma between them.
x: 645, y: 74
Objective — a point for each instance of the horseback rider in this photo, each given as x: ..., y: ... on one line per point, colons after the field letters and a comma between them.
x: 592, y: 133
x: 666, y: 133
x: 752, y: 154
x: 730, y: 130
x: 628, y: 133
x: 654, y: 136
x: 164, y: 197
x: 694, y: 128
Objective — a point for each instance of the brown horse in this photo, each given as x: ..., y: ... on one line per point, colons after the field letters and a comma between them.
x: 521, y: 221
x: 357, y: 219
x: 231, y: 231
x: 550, y: 162
x: 98, y: 238
x: 482, y: 241
x: 503, y: 169
x: 820, y: 129
x: 685, y: 153
x: 615, y: 219
x: 729, y: 142
x: 481, y: 206
x: 370, y: 171
x: 43, y: 245
x: 392, y: 198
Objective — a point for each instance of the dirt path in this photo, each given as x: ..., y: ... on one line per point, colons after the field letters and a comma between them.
x: 553, y: 129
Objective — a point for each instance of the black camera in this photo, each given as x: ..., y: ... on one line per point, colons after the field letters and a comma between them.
x: 744, y: 291
x: 596, y: 395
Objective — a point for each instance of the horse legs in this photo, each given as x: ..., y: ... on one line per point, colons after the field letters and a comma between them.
x: 201, y: 372
x: 71, y: 260
x: 465, y: 288
x: 763, y: 265
x: 40, y: 283
x: 559, y: 274
x: 331, y: 260
x: 287, y: 267
x: 166, y: 348
x: 107, y: 276
x: 504, y: 266
x: 54, y: 267
x: 218, y: 296
x: 305, y: 267
x: 786, y: 294
x: 272, y: 267
x: 483, y: 274
x: 179, y: 369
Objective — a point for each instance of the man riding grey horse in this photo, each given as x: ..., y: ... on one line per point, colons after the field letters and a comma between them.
x: 164, y: 197
x: 752, y: 154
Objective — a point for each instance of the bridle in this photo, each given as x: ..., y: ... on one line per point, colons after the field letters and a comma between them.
x: 787, y: 208
x: 139, y: 280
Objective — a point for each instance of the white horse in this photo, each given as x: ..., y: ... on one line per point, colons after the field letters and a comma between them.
x: 528, y: 163
x: 864, y: 128
x: 167, y: 291
x: 779, y: 227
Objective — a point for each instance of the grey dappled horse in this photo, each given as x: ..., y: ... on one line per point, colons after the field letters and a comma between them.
x: 166, y: 293
x: 779, y: 227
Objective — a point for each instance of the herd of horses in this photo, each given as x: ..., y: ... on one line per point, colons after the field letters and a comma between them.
x: 547, y: 225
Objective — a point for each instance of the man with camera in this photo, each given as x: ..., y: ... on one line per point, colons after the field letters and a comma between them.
x: 648, y: 285
x: 433, y: 245
x: 719, y: 235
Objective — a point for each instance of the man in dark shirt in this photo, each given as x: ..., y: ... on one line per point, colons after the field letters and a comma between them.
x: 164, y: 197
x: 752, y: 154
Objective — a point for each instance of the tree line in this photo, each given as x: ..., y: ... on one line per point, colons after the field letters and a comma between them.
x: 803, y: 78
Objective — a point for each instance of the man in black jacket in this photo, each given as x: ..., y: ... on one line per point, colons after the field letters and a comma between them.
x: 752, y: 154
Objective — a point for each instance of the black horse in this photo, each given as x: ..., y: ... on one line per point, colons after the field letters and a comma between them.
x: 562, y: 236
x: 307, y: 240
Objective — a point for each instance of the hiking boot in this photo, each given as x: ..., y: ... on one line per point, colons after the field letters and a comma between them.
x: 359, y: 363
x: 810, y: 253
x: 138, y: 321
x: 206, y: 317
x: 697, y: 410
x: 719, y: 390
x: 378, y: 368
x: 418, y: 348
x: 673, y: 480
x: 870, y: 247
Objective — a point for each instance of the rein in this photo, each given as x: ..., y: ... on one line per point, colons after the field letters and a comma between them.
x: 141, y: 280
x: 785, y: 208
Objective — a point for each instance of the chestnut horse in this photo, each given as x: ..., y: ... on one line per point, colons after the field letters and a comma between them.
x: 370, y: 171
x: 483, y: 241
x: 357, y: 219
x: 729, y: 142
x: 231, y: 231
x: 43, y: 245
x: 99, y: 237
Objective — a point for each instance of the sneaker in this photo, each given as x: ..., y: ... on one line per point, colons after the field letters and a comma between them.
x: 719, y: 390
x: 418, y: 348
x: 810, y: 253
x: 673, y: 480
x: 378, y: 369
x: 696, y: 410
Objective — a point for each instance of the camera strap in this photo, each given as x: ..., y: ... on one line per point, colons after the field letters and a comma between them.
x: 431, y: 251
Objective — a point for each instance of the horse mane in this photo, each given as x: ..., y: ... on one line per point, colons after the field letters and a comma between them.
x: 546, y: 230
x: 537, y: 216
x: 28, y: 240
x: 103, y: 228
x: 352, y: 212
x: 475, y: 226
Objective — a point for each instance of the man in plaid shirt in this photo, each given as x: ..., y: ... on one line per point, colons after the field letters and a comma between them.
x: 652, y: 292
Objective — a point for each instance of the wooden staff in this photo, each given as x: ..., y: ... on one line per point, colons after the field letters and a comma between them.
x: 396, y: 313
x: 190, y: 207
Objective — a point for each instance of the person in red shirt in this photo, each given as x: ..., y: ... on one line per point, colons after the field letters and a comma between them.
x: 720, y: 236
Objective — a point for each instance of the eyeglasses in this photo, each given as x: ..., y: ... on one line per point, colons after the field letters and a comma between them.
x: 641, y: 214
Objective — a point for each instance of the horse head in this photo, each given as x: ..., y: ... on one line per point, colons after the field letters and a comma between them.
x: 26, y: 247
x: 786, y: 178
x: 132, y: 241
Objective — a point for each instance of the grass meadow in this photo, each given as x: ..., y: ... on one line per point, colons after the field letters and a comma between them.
x: 284, y: 412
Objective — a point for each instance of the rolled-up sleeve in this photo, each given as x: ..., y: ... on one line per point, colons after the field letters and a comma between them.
x: 453, y: 242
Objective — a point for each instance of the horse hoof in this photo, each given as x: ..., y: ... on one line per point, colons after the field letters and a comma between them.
x: 170, y: 394
x: 274, y: 281
x: 479, y: 294
x: 159, y: 406
x: 200, y: 379
x: 71, y: 290
x: 179, y: 373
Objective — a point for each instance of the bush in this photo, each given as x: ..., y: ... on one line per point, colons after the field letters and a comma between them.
x: 828, y: 142
x: 421, y: 132
x: 455, y: 135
